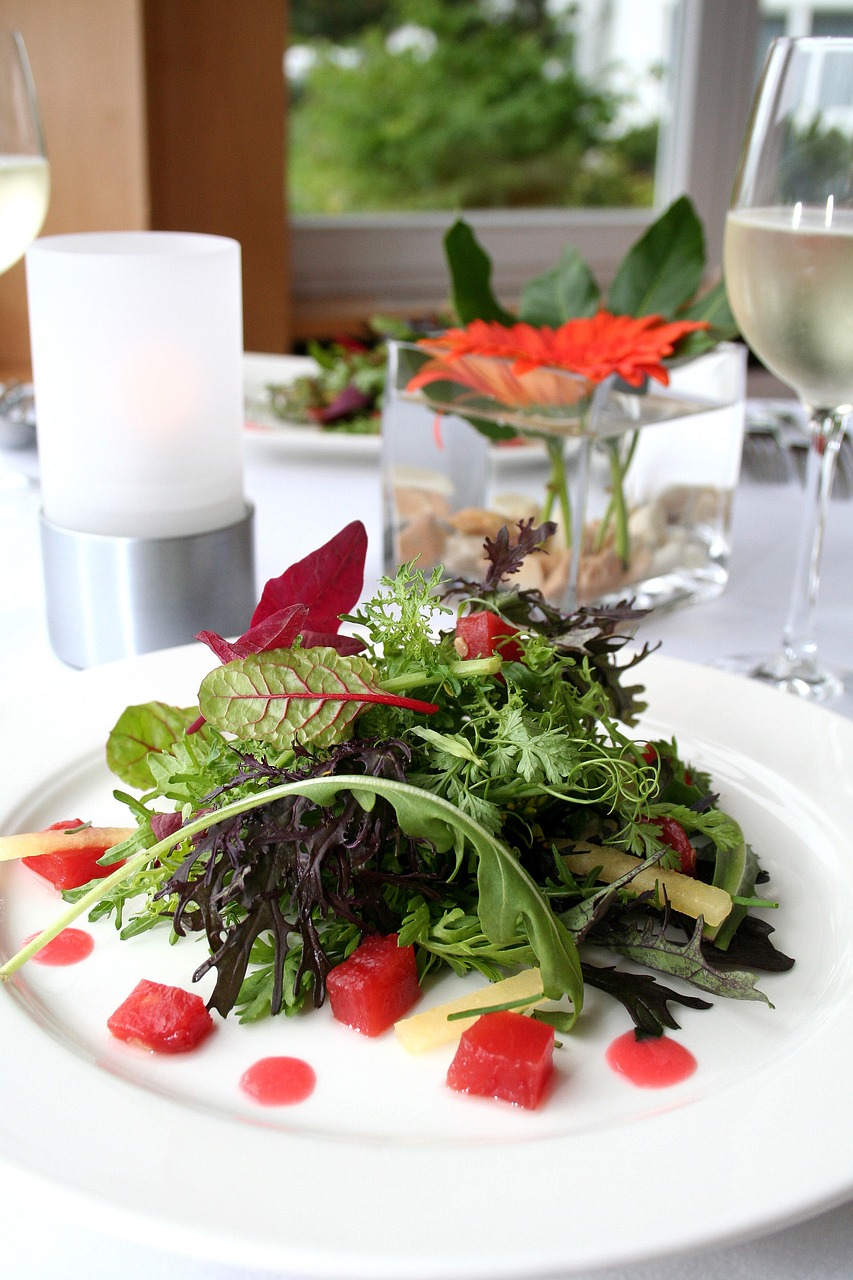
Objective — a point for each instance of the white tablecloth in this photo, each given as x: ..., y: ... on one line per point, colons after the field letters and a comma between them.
x: 301, y: 499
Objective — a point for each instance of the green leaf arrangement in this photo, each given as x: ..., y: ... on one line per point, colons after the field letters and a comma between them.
x: 661, y: 274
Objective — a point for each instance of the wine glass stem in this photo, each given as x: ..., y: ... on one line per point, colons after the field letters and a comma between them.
x: 826, y: 427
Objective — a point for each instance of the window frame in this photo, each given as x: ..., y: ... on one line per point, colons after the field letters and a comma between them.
x: 345, y: 269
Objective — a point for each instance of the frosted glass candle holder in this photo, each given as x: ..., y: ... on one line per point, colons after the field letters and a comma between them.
x: 137, y: 368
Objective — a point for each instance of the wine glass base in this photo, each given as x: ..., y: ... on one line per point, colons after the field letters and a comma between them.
x: 801, y: 677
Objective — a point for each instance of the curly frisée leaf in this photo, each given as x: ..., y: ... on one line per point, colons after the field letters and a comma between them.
x: 294, y: 695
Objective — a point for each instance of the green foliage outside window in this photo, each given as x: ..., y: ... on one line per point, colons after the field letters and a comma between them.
x: 469, y: 104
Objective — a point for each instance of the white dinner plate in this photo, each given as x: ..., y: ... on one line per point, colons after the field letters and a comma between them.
x: 265, y: 430
x: 384, y: 1172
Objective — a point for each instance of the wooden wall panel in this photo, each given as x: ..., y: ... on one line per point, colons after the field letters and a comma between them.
x: 216, y: 140
x: 87, y: 60
x: 198, y: 147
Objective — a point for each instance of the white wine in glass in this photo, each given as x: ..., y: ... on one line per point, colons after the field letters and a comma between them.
x: 788, y: 262
x: 24, y: 196
x: 24, y: 168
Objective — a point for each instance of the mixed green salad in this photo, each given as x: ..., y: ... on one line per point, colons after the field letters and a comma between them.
x: 343, y: 394
x: 455, y: 765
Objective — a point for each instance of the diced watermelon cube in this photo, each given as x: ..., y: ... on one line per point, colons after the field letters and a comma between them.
x: 375, y: 985
x: 504, y: 1055
x: 72, y: 867
x: 482, y: 634
x: 161, y: 1018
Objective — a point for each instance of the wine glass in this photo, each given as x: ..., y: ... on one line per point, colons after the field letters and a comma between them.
x: 24, y: 194
x: 24, y: 170
x: 789, y: 274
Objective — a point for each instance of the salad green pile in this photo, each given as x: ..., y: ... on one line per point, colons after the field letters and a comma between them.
x: 329, y: 785
x: 343, y: 394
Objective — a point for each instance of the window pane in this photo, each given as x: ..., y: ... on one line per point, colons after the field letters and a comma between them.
x: 795, y: 18
x: 412, y: 105
x: 355, y: 264
x: 792, y: 18
x: 832, y: 22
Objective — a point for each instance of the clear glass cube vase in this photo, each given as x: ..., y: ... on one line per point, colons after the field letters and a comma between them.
x: 639, y: 479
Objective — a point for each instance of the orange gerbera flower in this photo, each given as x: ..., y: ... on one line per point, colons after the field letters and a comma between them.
x: 592, y: 346
x: 500, y: 381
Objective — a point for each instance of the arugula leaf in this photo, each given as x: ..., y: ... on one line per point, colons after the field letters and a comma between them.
x: 507, y: 893
x: 510, y: 904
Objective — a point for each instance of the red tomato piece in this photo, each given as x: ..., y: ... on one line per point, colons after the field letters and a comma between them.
x: 72, y: 867
x: 506, y: 1056
x: 483, y: 634
x: 375, y: 985
x: 161, y: 1018
x: 673, y: 834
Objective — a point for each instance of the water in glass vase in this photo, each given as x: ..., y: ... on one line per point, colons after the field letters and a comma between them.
x: 24, y: 193
x: 789, y: 276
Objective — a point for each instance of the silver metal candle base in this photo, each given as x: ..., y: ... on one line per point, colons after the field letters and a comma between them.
x: 114, y: 597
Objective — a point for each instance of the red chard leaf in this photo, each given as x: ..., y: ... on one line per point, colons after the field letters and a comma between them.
x: 329, y: 581
x: 326, y: 640
x: 278, y: 631
x: 297, y: 695
x: 307, y: 599
x: 224, y: 649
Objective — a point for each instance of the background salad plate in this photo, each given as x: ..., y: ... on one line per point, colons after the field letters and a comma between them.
x: 265, y: 430
x: 383, y: 1172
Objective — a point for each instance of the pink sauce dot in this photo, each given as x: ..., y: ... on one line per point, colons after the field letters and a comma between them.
x: 278, y: 1082
x: 650, y: 1063
x: 69, y: 947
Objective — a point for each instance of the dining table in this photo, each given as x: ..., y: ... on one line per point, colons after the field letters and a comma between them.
x: 304, y: 490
